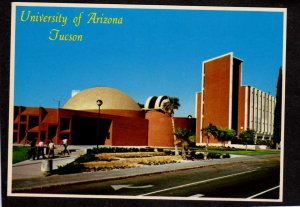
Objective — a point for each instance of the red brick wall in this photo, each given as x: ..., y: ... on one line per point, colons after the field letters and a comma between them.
x: 129, y: 132
x: 216, y: 93
x: 22, y: 117
x: 160, y: 128
x: 198, y: 117
x: 185, y: 123
x: 241, y: 118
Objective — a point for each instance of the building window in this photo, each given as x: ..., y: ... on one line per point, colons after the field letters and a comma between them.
x: 64, y: 124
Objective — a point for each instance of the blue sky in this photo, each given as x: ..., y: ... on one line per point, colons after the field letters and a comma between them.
x: 154, y: 52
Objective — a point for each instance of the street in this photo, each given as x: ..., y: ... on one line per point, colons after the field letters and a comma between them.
x: 246, y: 180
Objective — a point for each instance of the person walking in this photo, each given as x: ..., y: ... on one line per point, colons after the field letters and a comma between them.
x: 65, y: 144
x: 41, y: 150
x: 51, y: 149
x: 26, y: 137
x: 32, y: 151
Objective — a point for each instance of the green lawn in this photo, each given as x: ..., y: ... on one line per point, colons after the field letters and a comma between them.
x: 20, y: 153
x: 248, y: 152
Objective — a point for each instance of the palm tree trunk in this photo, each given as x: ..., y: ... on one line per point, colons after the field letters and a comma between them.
x: 206, y: 149
x: 174, y: 136
x: 183, y: 153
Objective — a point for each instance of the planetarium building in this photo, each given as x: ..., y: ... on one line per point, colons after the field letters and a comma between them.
x: 102, y: 116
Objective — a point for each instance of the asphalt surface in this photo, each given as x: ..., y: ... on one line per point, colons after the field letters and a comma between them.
x: 40, y: 182
x: 235, y: 180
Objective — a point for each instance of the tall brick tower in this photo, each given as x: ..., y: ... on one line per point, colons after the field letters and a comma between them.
x: 225, y: 103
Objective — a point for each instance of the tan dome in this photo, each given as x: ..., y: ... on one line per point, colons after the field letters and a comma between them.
x: 111, y: 98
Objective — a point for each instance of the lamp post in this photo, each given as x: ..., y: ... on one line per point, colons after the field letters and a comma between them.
x: 99, y: 103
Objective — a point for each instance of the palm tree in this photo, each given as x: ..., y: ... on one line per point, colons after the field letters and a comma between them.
x: 185, y: 138
x: 209, y: 131
x: 170, y: 107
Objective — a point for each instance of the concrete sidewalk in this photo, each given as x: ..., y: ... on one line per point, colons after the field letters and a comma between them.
x: 32, y: 168
x: 39, y: 180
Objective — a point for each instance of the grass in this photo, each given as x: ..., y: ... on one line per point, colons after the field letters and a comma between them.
x: 254, y: 152
x: 20, y: 153
x: 248, y: 152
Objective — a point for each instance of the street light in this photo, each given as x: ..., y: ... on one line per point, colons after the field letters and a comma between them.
x: 99, y: 103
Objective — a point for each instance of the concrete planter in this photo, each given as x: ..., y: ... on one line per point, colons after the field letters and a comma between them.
x: 47, y: 166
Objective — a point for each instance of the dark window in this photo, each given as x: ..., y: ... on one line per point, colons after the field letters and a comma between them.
x: 64, y: 124
x: 52, y: 131
x: 33, y: 121
x: 23, y: 118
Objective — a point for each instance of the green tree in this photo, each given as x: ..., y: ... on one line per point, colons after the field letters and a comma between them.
x: 170, y: 107
x: 185, y: 138
x: 277, y: 112
x: 209, y: 131
x: 141, y: 105
x: 225, y: 135
x: 247, y: 137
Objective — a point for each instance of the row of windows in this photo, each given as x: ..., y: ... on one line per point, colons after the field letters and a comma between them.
x: 262, y: 107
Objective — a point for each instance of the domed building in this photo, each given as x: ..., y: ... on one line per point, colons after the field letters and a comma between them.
x: 99, y: 116
x: 114, y: 102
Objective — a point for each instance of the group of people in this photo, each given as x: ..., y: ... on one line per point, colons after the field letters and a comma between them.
x: 40, y: 149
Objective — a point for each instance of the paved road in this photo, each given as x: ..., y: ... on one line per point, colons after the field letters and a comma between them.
x: 248, y: 180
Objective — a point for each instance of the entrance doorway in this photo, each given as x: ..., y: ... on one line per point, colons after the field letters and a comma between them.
x: 85, y: 130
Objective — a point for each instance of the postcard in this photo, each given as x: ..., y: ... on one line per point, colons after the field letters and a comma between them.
x: 146, y: 102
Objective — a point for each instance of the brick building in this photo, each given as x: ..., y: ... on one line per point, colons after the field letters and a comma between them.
x: 225, y: 103
x: 121, y: 121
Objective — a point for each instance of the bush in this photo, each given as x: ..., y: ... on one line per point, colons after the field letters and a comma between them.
x: 73, y: 167
x: 213, y: 155
x: 195, y: 155
x: 85, y: 158
x: 119, y: 149
x: 169, y: 152
x: 147, y: 149
x: 267, y: 142
x: 226, y: 155
x: 236, y: 140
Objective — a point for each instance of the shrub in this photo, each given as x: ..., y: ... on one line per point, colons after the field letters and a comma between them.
x: 267, y: 142
x: 73, y: 167
x: 195, y: 155
x: 213, y: 155
x: 226, y: 155
x: 85, y: 158
x: 236, y: 140
x: 169, y: 152
x: 147, y: 149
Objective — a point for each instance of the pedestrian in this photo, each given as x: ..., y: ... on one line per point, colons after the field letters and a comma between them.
x: 26, y: 137
x: 65, y: 144
x: 41, y: 149
x: 51, y: 149
x: 32, y: 151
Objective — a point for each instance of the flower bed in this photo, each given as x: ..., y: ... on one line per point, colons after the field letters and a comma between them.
x: 128, y: 160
